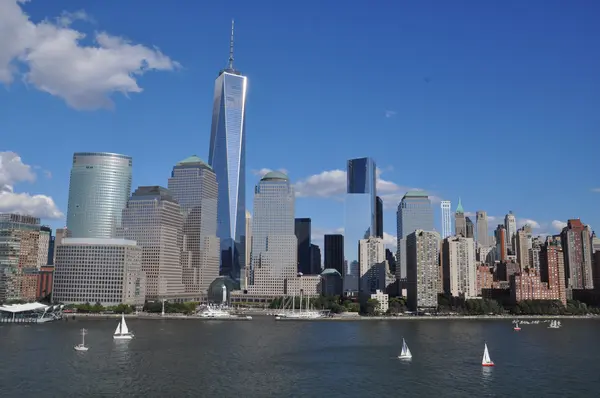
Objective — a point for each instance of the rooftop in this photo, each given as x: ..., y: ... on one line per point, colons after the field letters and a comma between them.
x: 15, y: 308
x: 330, y: 271
x: 275, y: 176
x: 193, y: 160
x: 98, y: 242
x: 417, y: 193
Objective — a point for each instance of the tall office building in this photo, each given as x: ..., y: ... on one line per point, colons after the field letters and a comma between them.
x: 423, y: 256
x: 523, y: 243
x: 371, y: 265
x: 482, y: 229
x: 414, y: 212
x: 379, y: 217
x: 501, y: 243
x: 154, y: 221
x: 303, y: 231
x: 552, y: 268
x: 44, y: 245
x: 446, y: 206
x: 577, y: 246
x: 360, y: 217
x: 470, y: 228
x: 334, y: 252
x: 99, y: 188
x: 510, y: 224
x: 227, y: 157
x: 193, y: 184
x: 247, y: 251
x: 19, y: 252
x: 274, y: 243
x: 459, y: 267
x: 315, y: 265
x: 460, y: 222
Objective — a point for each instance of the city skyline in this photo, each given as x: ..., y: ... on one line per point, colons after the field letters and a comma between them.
x: 315, y: 182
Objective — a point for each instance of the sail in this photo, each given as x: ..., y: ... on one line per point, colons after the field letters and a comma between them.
x: 486, y: 356
x: 124, y: 328
x: 118, y: 329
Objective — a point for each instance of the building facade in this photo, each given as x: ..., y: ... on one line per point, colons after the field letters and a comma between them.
x: 423, y: 255
x: 552, y: 269
x: 483, y: 239
x: 446, y: 207
x: 510, y: 224
x: 576, y: 241
x: 302, y: 228
x: 315, y: 265
x: 99, y: 188
x: 105, y: 271
x: 44, y: 246
x: 193, y: 184
x: 360, y: 215
x: 227, y: 157
x: 379, y: 217
x: 459, y: 267
x: 460, y: 221
x: 274, y: 243
x: 154, y: 221
x: 334, y: 252
x: 372, y: 265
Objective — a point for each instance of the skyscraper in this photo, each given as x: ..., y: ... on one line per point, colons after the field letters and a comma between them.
x: 469, y: 228
x: 274, y: 243
x: 510, y: 224
x: 334, y: 252
x: 247, y: 251
x: 576, y: 241
x: 360, y: 218
x: 193, y: 184
x: 460, y: 222
x: 99, y: 188
x: 315, y: 254
x: 459, y: 267
x: 414, y: 212
x: 379, y: 217
x: 227, y: 157
x: 423, y: 255
x: 372, y: 265
x: 302, y: 230
x: 154, y: 221
x: 482, y: 229
x: 446, y: 218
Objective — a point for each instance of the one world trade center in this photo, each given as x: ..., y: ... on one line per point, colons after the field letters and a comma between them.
x: 227, y: 157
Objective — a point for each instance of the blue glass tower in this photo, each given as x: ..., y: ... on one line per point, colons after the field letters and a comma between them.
x: 227, y: 157
x: 360, y: 218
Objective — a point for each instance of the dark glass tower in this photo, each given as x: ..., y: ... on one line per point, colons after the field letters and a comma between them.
x: 302, y: 230
x: 227, y: 157
x: 379, y: 218
x: 334, y: 252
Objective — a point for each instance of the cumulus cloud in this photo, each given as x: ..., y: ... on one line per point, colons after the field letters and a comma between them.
x: 332, y: 184
x: 263, y: 171
x: 13, y: 171
x: 318, y: 234
x: 390, y: 114
x: 51, y: 57
x: 558, y: 225
x: 527, y: 221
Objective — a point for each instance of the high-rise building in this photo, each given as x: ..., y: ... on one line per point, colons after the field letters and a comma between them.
x: 469, y: 228
x: 247, y: 251
x: 459, y: 267
x: 510, y: 224
x: 302, y: 227
x: 193, y: 184
x: 552, y: 269
x: 153, y: 219
x: 423, y: 256
x: 596, y: 268
x: 105, y: 271
x: 274, y: 243
x: 379, y: 217
x: 595, y: 242
x: 576, y: 240
x: 372, y: 265
x: 19, y: 252
x: 44, y: 245
x: 227, y: 157
x: 460, y: 222
x: 334, y: 252
x: 482, y: 229
x: 414, y: 212
x: 523, y: 244
x: 501, y: 243
x: 360, y: 218
x: 99, y: 188
x: 391, y: 259
x: 446, y: 206
x: 315, y: 254
x: 59, y: 235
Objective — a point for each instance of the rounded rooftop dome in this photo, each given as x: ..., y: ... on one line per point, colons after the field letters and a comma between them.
x: 192, y: 160
x: 275, y: 176
x: 216, y: 288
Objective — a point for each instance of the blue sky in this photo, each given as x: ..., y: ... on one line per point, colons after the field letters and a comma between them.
x: 496, y: 102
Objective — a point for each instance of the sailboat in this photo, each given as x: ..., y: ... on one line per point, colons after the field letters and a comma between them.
x: 405, y: 354
x: 516, y: 328
x: 486, y: 361
x: 122, y: 332
x: 554, y: 324
x: 81, y: 346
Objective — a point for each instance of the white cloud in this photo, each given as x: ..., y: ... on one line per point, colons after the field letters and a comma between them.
x: 265, y: 170
x: 390, y: 114
x: 596, y: 190
x: 332, y: 184
x: 318, y: 234
x: 12, y: 171
x: 527, y: 221
x: 559, y: 225
x: 55, y: 60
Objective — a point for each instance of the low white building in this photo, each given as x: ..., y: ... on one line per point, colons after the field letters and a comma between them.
x: 91, y: 270
x: 383, y: 299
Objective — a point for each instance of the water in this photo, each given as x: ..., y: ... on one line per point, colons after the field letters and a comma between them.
x: 265, y: 358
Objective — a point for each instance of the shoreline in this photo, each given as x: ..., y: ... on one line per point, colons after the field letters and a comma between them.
x: 350, y: 318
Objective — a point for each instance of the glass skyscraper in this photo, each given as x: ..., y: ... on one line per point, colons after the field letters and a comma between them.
x: 414, y: 212
x: 360, y: 215
x: 227, y: 157
x: 99, y: 188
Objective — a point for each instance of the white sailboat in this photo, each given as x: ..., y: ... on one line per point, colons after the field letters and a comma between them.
x: 122, y: 331
x: 81, y: 346
x: 405, y: 354
x: 554, y: 324
x: 486, y: 361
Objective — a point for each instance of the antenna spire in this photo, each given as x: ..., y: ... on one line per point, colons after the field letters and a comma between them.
x: 231, y: 47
